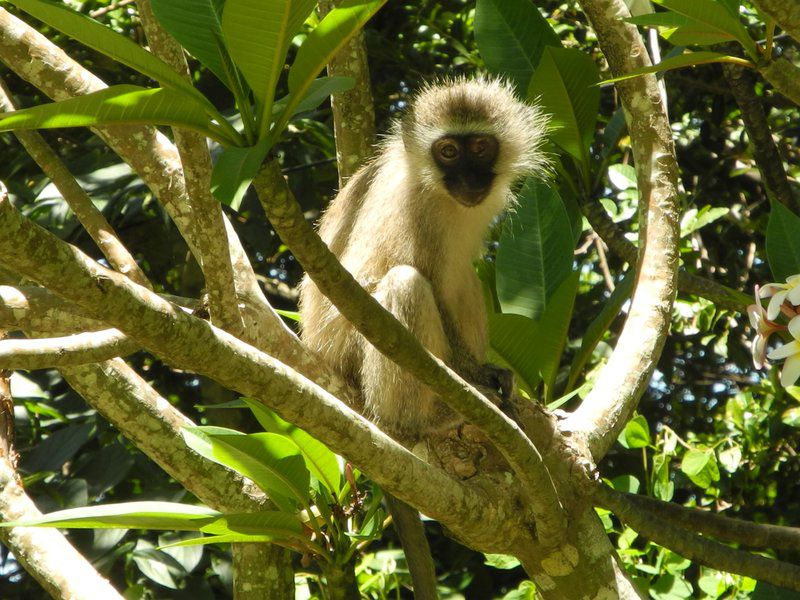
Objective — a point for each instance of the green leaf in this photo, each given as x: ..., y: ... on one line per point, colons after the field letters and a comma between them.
x: 565, y: 84
x: 622, y: 177
x: 117, y: 104
x: 322, y: 43
x: 658, y: 19
x: 267, y: 523
x: 536, y: 251
x: 258, y: 35
x: 196, y: 25
x: 626, y: 483
x: 128, y: 515
x: 511, y: 36
x: 636, y: 433
x: 270, y: 460
x: 501, y: 561
x: 701, y: 467
x: 791, y: 417
x: 533, y: 348
x: 322, y: 462
x: 97, y: 36
x: 694, y: 219
x: 598, y: 327
x: 318, y: 91
x: 234, y: 170
x: 689, y: 59
x: 695, y: 34
x: 715, y: 16
x: 230, y: 538
x: 783, y: 242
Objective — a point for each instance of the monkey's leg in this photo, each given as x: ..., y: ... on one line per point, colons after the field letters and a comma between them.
x: 397, y: 399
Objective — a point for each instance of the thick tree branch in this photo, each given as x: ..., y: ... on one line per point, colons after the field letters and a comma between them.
x: 784, y: 76
x: 353, y: 110
x: 389, y: 336
x: 79, y: 349
x: 147, y: 419
x: 187, y: 342
x: 765, y: 151
x: 786, y: 13
x: 44, y: 553
x: 725, y: 529
x: 603, y: 414
x: 36, y: 310
x: 696, y: 548
x: 215, y: 258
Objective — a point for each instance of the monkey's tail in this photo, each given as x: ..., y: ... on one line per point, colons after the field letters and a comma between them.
x: 415, y: 546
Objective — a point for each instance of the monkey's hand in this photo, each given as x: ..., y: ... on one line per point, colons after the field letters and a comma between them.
x: 498, y: 379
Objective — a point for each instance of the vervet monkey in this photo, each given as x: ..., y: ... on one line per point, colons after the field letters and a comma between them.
x: 409, y: 226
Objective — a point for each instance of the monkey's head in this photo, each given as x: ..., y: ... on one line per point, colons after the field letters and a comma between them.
x: 472, y: 138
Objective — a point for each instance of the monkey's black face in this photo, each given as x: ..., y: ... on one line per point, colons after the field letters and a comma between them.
x: 467, y: 162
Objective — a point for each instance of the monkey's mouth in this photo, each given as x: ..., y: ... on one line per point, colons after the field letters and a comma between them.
x: 469, y: 188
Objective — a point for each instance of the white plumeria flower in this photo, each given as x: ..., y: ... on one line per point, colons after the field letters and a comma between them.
x: 791, y: 352
x: 763, y: 328
x: 781, y: 292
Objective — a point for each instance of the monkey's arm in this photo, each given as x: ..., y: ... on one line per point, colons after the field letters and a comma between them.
x: 498, y: 380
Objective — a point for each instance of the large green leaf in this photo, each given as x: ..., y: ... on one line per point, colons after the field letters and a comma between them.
x: 117, y: 104
x: 597, y: 328
x: 716, y: 16
x: 322, y: 43
x: 197, y: 25
x: 271, y: 461
x: 536, y: 251
x: 129, y: 515
x: 533, y: 348
x: 689, y: 59
x: 783, y: 242
x: 233, y: 171
x: 258, y: 35
x: 321, y: 461
x: 511, y: 36
x: 318, y: 91
x: 103, y: 39
x: 272, y: 523
x: 565, y: 84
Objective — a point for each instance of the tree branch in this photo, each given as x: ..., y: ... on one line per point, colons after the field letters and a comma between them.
x: 44, y: 553
x: 36, y: 310
x: 353, y: 110
x: 209, y: 228
x: 79, y: 349
x: 187, y: 342
x: 389, y: 336
x: 604, y: 412
x: 696, y: 548
x: 765, y: 151
x: 786, y: 14
x: 725, y: 529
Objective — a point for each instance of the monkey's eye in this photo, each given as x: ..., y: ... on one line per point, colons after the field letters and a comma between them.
x: 483, y: 147
x: 446, y: 151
